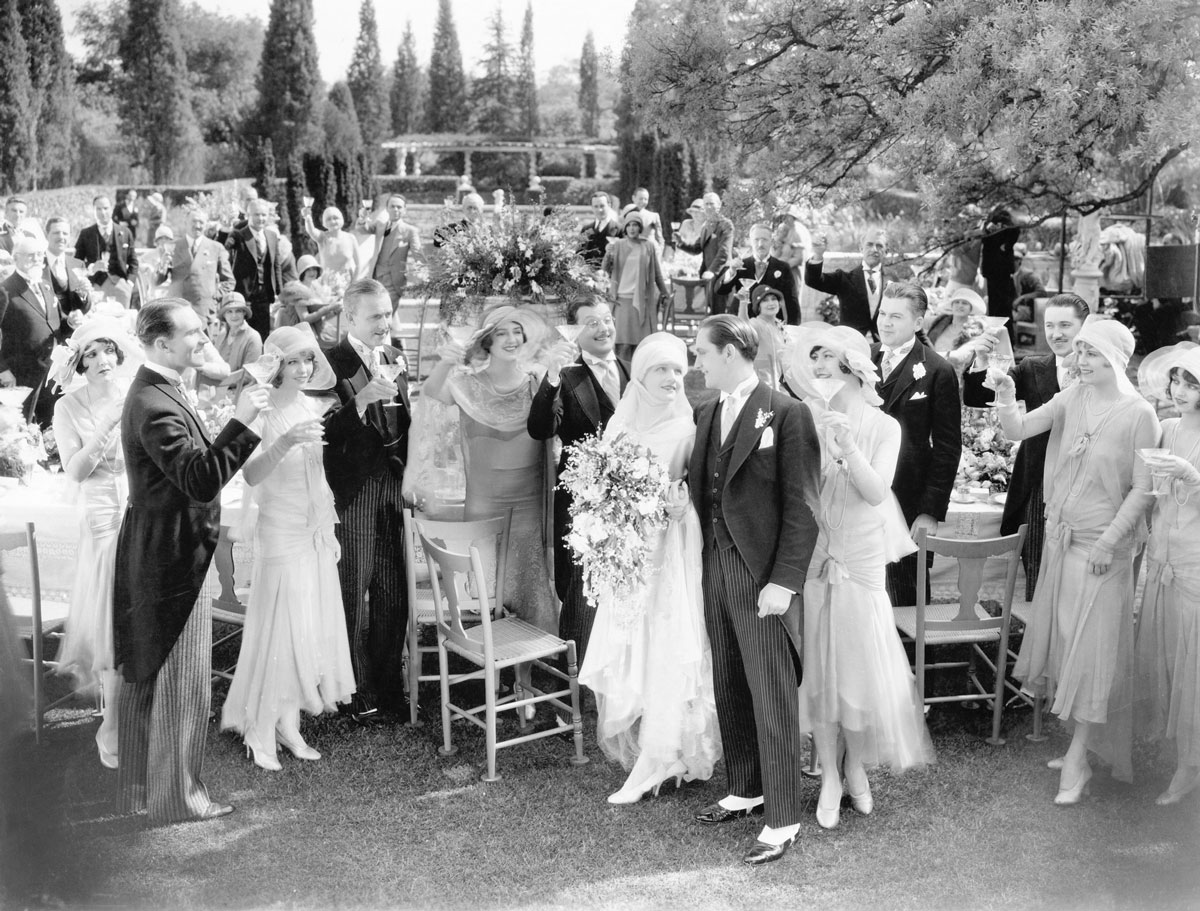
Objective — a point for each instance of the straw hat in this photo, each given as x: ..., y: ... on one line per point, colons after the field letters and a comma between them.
x: 531, y: 324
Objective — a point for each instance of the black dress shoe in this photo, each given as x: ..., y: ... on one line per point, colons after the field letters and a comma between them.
x: 763, y: 853
x: 361, y: 708
x: 215, y: 811
x: 716, y: 813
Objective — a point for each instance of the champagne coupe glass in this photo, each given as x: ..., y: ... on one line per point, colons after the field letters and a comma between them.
x: 14, y: 396
x: 1147, y: 456
x: 308, y: 202
x: 569, y: 332
x: 368, y: 204
x: 262, y: 370
x: 391, y: 373
x: 460, y: 334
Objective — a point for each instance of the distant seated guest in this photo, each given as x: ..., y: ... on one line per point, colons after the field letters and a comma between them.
x: 472, y: 209
x: 236, y: 342
x: 761, y: 268
x: 598, y: 230
x: 767, y: 318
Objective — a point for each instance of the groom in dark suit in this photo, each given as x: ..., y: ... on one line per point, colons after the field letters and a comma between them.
x: 162, y: 628
x: 574, y: 401
x: 366, y: 444
x: 920, y: 390
x: 754, y: 482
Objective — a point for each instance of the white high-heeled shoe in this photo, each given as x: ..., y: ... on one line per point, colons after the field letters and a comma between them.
x: 1067, y: 797
x: 828, y: 817
x: 632, y: 793
x: 1183, y: 782
x: 295, y: 745
x: 267, y: 761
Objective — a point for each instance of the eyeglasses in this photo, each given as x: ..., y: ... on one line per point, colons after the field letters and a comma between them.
x: 595, y: 323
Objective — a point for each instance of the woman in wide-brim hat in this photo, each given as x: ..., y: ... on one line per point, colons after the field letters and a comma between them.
x: 87, y: 420
x: 954, y: 329
x: 635, y: 284
x: 857, y: 680
x: 295, y: 653
x: 1078, y: 648
x: 236, y: 342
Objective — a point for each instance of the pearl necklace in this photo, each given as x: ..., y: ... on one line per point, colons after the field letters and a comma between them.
x: 1190, y: 457
x: 1083, y: 442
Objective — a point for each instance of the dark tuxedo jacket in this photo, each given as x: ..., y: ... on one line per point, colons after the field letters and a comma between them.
x: 778, y: 275
x: 850, y: 287
x: 715, y: 246
x: 74, y: 295
x: 172, y: 519
x: 119, y: 256
x: 360, y: 448
x: 770, y: 493
x: 201, y: 280
x: 27, y: 336
x: 1036, y: 377
x: 922, y: 394
x: 245, y: 258
x: 595, y: 240
x: 577, y: 407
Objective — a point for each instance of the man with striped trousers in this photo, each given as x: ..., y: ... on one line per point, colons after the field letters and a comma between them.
x: 162, y: 627
x: 754, y: 478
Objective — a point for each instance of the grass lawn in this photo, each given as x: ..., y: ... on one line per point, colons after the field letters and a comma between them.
x: 383, y: 821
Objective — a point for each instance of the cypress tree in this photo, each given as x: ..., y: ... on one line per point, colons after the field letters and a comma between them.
x: 156, y: 98
x: 16, y: 102
x: 288, y: 79
x: 53, y: 85
x: 365, y: 78
x: 408, y: 87
x: 295, y: 191
x: 527, y: 98
x: 589, y: 88
x: 343, y: 133
x: 492, y: 93
x: 447, y: 83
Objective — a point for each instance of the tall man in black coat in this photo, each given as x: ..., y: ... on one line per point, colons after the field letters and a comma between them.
x: 754, y: 477
x: 763, y: 269
x: 162, y: 629
x: 859, y: 290
x: 1039, y: 377
x: 366, y: 445
x: 920, y: 390
x: 64, y: 274
x: 259, y: 270
x: 576, y: 400
x: 715, y: 246
x: 109, y: 250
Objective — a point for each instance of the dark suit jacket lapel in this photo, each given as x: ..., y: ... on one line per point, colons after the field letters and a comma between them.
x: 172, y: 392
x: 747, y: 434
x: 704, y: 419
x: 40, y: 306
x: 902, y: 377
x: 588, y: 392
x: 1045, y: 373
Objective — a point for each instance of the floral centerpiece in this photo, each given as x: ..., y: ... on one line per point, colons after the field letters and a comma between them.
x: 987, y: 455
x: 619, y: 493
x: 20, y: 445
x: 519, y: 255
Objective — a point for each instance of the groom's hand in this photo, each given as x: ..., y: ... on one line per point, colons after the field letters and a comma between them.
x: 774, y: 600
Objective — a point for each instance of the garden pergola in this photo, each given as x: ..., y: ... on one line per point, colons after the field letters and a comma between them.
x: 468, y: 144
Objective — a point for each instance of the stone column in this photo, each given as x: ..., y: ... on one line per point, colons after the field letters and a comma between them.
x: 402, y: 161
x: 467, y: 166
x: 416, y: 163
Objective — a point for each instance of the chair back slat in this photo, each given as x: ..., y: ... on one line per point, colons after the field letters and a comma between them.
x: 489, y: 536
x: 972, y: 555
x: 453, y: 576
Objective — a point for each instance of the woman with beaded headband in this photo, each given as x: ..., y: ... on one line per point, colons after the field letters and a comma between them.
x: 1077, y: 648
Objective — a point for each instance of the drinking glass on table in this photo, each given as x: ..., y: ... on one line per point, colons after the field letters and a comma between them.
x: 263, y: 370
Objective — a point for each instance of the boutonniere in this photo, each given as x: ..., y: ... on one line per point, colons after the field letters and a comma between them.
x: 776, y: 273
x: 918, y: 370
x: 763, y: 418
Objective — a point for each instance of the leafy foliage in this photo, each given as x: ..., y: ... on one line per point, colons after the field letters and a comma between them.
x: 365, y: 78
x: 447, y: 83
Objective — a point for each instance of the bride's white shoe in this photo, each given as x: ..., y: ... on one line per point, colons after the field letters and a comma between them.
x: 632, y: 793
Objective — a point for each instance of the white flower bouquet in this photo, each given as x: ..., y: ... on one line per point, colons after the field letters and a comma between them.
x: 619, y: 491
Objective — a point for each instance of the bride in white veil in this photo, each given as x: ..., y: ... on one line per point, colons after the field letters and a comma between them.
x: 648, y: 661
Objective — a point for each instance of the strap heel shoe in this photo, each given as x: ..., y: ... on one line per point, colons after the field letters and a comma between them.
x: 295, y: 745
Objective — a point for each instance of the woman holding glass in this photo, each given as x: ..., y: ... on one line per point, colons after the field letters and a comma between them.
x: 1078, y: 645
x: 1168, y: 634
x: 857, y: 680
x: 87, y: 421
x: 295, y: 654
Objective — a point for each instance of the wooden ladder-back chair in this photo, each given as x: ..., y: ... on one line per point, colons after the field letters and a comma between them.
x: 964, y: 623
x: 492, y: 645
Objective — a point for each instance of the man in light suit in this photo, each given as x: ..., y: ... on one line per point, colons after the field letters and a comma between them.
x: 754, y: 479
x: 920, y: 390
x: 30, y: 324
x: 260, y: 269
x: 598, y: 230
x: 394, y: 243
x: 715, y: 246
x: 162, y: 627
x: 859, y: 290
x: 198, y: 270
x: 763, y: 269
x: 64, y: 274
x: 107, y: 250
x: 576, y: 400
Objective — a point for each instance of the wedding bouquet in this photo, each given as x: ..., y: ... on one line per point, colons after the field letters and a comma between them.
x: 619, y: 491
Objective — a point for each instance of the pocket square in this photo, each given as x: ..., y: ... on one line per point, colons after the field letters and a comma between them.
x: 767, y: 440
x: 918, y: 395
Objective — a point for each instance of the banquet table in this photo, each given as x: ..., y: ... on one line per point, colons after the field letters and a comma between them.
x: 973, y: 519
x: 49, y: 502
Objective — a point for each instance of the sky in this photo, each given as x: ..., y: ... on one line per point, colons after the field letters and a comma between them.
x: 559, y: 27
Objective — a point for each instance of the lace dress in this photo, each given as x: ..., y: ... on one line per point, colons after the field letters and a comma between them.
x: 856, y: 673
x: 1078, y: 644
x: 87, y: 649
x: 506, y: 469
x: 1168, y: 633
x: 295, y: 653
x: 648, y: 659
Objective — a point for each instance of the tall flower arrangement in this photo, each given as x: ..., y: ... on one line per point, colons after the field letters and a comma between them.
x: 987, y: 455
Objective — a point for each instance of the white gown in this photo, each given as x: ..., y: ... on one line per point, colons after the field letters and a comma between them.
x: 648, y: 659
x: 295, y: 653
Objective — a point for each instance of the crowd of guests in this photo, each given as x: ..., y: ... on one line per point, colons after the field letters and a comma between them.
x: 800, y: 491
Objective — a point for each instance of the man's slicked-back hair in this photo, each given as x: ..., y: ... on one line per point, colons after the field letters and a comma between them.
x: 911, y: 292
x: 358, y: 290
x: 1074, y: 301
x: 726, y: 329
x: 157, y: 319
